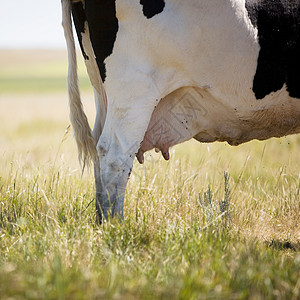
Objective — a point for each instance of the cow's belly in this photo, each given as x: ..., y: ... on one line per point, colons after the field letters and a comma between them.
x: 191, y: 112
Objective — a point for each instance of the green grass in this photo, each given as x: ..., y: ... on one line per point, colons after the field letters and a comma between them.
x: 167, y: 247
x: 50, y: 247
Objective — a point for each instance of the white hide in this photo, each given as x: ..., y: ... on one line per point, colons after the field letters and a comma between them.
x: 210, y: 46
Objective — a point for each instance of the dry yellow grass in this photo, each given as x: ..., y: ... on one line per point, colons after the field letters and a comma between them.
x: 265, y: 176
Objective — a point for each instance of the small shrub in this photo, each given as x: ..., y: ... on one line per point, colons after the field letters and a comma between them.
x: 213, y: 210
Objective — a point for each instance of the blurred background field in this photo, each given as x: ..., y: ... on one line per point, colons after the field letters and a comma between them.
x: 35, y: 71
x: 166, y: 248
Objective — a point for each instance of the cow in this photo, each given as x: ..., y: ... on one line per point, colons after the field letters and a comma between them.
x: 166, y: 71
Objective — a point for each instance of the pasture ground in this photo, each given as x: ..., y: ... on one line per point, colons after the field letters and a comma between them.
x: 169, y: 246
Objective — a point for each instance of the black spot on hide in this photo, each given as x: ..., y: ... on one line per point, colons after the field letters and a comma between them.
x: 278, y: 25
x: 79, y: 19
x: 152, y: 7
x: 103, y: 26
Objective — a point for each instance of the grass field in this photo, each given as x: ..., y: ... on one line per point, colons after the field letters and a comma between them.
x: 171, y: 245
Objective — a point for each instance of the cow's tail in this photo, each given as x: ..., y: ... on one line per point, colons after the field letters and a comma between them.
x: 82, y: 131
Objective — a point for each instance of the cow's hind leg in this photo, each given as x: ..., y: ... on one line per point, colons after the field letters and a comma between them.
x: 98, y: 191
x: 97, y: 131
x: 125, y: 126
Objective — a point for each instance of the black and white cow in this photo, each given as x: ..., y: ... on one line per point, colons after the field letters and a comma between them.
x: 166, y: 71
